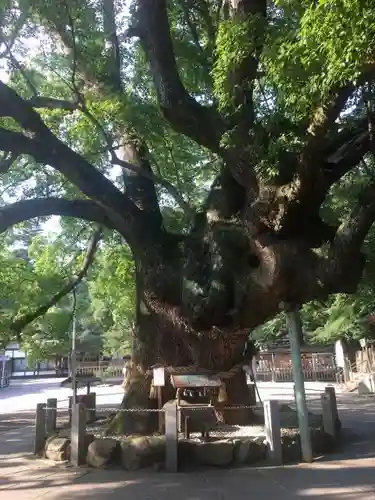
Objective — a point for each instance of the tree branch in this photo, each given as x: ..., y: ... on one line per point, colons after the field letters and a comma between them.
x: 345, y: 262
x: 203, y: 124
x: 21, y: 211
x: 51, y: 103
x: 46, y: 148
x: 105, y: 86
x: 139, y: 167
x: 20, y: 323
x: 251, y: 15
x: 114, y: 70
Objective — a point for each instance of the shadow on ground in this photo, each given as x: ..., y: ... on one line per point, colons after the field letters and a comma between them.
x: 344, y: 481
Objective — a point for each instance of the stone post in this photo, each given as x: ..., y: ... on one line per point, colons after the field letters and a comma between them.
x: 171, y: 437
x: 273, y: 431
x: 51, y: 415
x: 331, y: 393
x: 70, y: 398
x: 328, y: 416
x: 77, y: 436
x: 40, y: 428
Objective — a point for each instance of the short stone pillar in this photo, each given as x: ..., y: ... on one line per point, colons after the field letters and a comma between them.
x: 328, y: 416
x: 330, y: 412
x: 331, y: 393
x: 51, y: 416
x: 273, y: 431
x: 171, y: 437
x: 40, y: 428
x: 77, y: 435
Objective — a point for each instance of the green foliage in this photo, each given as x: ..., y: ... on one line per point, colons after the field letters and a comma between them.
x: 233, y: 46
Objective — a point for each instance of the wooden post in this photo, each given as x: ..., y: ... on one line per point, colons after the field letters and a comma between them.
x: 171, y: 438
x: 77, y: 436
x: 40, y: 428
x: 51, y: 415
x: 273, y: 431
x: 273, y: 369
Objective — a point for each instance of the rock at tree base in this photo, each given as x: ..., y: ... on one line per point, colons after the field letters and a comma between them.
x: 57, y: 449
x: 101, y: 452
x: 143, y: 451
x: 249, y: 451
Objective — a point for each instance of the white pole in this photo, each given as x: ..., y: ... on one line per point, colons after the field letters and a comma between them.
x: 295, y: 333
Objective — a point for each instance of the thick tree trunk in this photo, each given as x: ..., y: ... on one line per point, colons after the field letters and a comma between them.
x: 165, y: 347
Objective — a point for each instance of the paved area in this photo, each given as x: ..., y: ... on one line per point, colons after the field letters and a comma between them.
x: 347, y: 475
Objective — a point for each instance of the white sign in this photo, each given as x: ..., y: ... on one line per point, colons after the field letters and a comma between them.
x: 159, y: 377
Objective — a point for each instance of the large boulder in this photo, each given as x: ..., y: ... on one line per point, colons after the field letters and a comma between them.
x: 102, y: 452
x: 57, y: 449
x: 249, y: 450
x: 142, y: 451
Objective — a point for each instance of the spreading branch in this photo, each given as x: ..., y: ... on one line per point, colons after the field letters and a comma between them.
x: 110, y: 30
x: 46, y: 148
x: 251, y: 14
x: 21, y: 322
x: 51, y: 103
x: 201, y: 123
x: 21, y: 211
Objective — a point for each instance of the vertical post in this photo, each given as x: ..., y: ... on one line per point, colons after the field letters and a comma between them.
x: 328, y: 416
x: 314, y: 367
x: 273, y: 373
x: 295, y: 333
x: 73, y: 361
x: 331, y: 393
x: 51, y: 415
x: 77, y: 437
x: 40, y: 428
x: 160, y: 404
x: 171, y: 438
x: 2, y: 381
x: 272, y: 429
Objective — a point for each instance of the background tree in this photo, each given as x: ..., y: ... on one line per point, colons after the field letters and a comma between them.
x: 271, y: 101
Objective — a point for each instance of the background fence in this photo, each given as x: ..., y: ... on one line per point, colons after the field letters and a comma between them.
x: 277, y: 367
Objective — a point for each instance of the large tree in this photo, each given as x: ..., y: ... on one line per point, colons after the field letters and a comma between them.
x: 275, y: 97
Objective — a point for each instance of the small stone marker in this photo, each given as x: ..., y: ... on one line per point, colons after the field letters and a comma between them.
x: 40, y: 428
x: 171, y: 437
x: 273, y: 432
x: 77, y: 447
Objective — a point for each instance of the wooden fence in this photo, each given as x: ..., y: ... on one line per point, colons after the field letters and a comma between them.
x: 277, y: 367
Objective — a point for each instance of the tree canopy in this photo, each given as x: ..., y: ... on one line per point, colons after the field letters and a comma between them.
x: 233, y: 138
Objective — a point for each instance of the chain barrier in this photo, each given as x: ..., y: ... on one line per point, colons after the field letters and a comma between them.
x: 155, y: 410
